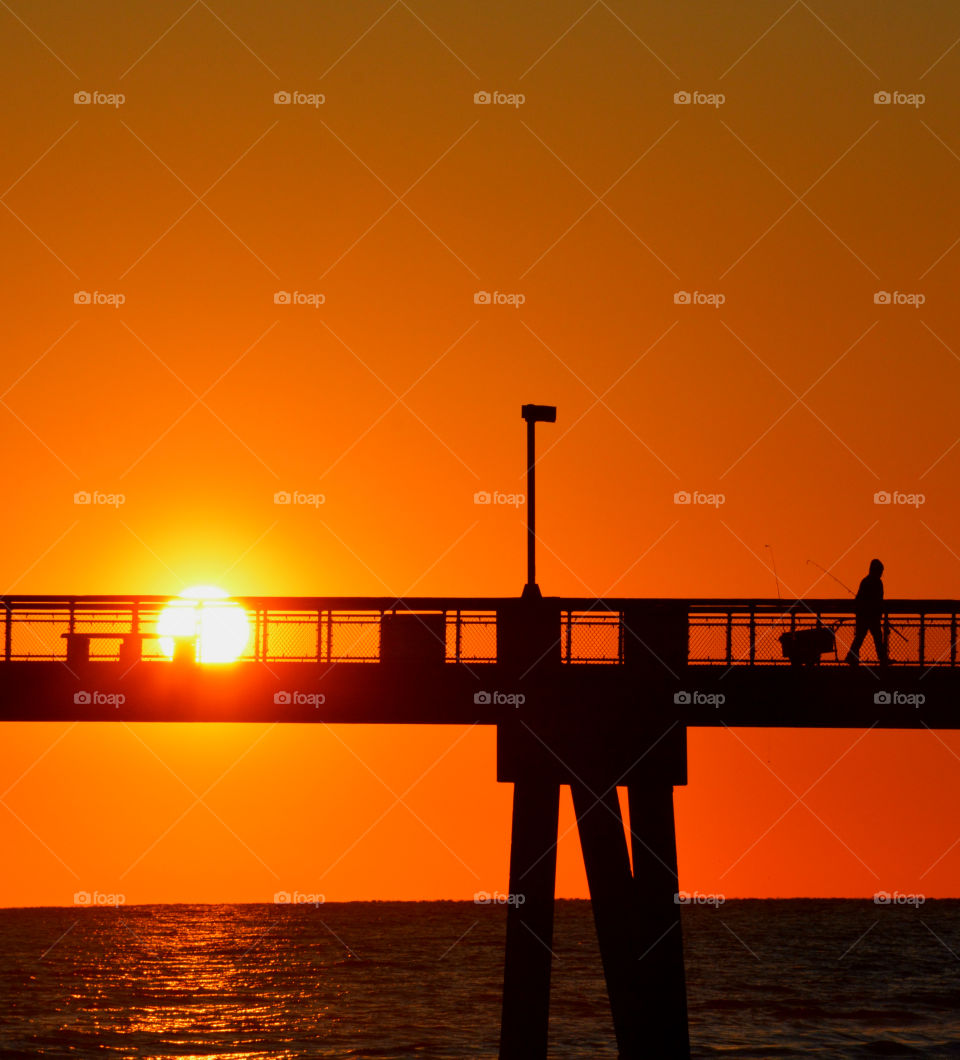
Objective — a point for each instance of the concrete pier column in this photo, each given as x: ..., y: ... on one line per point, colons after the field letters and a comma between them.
x: 604, y: 845
x: 660, y: 936
x: 533, y: 874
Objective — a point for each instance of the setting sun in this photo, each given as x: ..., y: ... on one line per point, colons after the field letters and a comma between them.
x: 219, y: 625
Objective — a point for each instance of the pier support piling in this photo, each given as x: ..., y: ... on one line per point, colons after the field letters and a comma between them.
x: 604, y: 846
x: 660, y: 958
x: 529, y: 946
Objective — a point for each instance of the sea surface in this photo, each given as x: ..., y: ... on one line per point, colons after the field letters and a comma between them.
x: 785, y: 978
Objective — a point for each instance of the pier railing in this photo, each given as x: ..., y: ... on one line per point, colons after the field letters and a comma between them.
x: 748, y: 632
x: 461, y: 630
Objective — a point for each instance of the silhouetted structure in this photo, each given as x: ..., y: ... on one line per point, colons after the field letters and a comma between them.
x: 592, y: 693
x: 610, y: 688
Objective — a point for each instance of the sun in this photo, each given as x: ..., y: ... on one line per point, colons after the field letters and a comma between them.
x: 220, y: 625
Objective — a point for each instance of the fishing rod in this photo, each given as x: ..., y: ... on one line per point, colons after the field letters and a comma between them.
x: 835, y: 578
x: 852, y: 593
x: 776, y: 576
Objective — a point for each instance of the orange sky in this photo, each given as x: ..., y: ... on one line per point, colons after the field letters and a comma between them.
x: 397, y: 199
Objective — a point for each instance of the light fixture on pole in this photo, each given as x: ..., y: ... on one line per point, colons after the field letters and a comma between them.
x: 533, y: 414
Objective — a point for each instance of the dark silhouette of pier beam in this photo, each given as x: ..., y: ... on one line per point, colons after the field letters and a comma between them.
x: 529, y: 946
x: 610, y: 740
x: 615, y: 915
x: 660, y: 941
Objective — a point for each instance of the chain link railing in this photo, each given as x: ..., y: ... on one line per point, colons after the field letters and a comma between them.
x: 36, y: 629
x: 720, y: 633
x: 747, y: 633
x: 591, y: 636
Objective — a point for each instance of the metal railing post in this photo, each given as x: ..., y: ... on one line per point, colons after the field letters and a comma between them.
x: 953, y: 639
x: 753, y: 634
x: 923, y: 638
x: 729, y: 637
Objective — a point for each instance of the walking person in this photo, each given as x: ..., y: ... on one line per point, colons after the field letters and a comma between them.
x: 868, y: 607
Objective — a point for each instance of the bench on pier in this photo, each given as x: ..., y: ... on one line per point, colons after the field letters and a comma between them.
x: 131, y: 646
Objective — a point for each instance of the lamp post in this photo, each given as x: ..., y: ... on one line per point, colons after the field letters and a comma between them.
x: 533, y: 414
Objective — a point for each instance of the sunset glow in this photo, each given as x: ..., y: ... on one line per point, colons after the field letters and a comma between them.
x: 203, y: 611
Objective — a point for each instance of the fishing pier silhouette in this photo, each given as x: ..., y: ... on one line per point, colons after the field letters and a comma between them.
x: 593, y: 693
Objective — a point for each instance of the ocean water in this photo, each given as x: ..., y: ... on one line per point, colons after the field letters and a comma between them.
x: 387, y: 980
